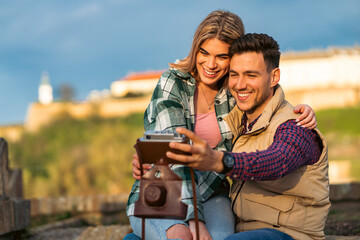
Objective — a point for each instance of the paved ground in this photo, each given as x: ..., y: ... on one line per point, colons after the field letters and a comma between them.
x: 113, y: 232
x: 344, y: 219
x: 343, y: 223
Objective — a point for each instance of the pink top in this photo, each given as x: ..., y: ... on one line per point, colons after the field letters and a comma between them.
x: 206, y: 127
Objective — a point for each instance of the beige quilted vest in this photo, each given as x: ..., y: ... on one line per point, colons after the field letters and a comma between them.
x: 296, y: 204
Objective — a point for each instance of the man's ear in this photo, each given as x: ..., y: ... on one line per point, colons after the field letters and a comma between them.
x: 275, y: 77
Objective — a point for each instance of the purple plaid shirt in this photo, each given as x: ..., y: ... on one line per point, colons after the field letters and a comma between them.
x: 293, y: 147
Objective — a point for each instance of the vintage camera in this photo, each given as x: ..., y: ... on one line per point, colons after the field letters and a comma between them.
x: 160, y: 188
x: 152, y: 147
x: 167, y: 136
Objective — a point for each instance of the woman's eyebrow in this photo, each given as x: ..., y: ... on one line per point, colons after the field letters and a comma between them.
x: 219, y: 55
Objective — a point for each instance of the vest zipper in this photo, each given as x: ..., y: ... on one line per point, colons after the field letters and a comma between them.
x: 237, y: 194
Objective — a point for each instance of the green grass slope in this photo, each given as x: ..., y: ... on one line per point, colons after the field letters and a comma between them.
x: 78, y: 157
x: 92, y: 156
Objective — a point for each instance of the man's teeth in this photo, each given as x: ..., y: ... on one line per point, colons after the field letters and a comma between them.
x: 209, y: 73
x: 243, y: 94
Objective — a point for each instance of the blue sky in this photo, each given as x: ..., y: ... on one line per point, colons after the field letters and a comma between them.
x: 89, y: 44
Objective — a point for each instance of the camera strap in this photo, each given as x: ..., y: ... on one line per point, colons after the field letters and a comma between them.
x: 195, y: 203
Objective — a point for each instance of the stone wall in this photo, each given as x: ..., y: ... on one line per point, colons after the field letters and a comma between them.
x: 325, y: 98
x: 345, y: 192
x: 117, y: 203
x: 14, y: 212
x: 78, y: 204
x: 39, y: 115
x: 4, y: 171
x: 11, y: 132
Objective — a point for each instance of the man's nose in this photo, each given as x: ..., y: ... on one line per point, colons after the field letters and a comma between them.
x: 241, y: 83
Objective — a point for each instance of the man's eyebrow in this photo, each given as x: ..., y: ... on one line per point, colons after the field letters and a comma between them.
x: 252, y: 72
x: 246, y: 72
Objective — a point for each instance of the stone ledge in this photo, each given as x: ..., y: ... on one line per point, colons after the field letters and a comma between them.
x: 14, y: 215
x: 345, y: 191
x: 78, y: 204
x: 334, y: 237
x: 112, y: 232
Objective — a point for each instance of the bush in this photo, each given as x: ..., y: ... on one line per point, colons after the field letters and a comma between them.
x: 78, y: 157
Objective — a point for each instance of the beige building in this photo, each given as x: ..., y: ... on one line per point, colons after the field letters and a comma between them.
x: 39, y: 114
x: 11, y: 133
x: 322, y: 78
x: 103, y: 103
x: 136, y: 83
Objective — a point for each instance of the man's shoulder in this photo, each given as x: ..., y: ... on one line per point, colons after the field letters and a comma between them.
x: 284, y: 113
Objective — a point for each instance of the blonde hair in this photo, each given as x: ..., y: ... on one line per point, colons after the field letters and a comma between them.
x: 222, y: 25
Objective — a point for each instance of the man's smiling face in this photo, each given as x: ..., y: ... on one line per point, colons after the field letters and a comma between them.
x: 250, y: 82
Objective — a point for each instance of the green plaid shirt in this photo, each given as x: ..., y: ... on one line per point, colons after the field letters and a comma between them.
x: 172, y: 106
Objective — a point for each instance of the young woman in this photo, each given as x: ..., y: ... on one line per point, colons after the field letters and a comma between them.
x: 191, y: 95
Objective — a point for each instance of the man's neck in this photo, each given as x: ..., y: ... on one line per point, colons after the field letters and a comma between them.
x: 251, y: 117
x: 255, y: 113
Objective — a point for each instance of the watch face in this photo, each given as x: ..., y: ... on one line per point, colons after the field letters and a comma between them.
x: 228, y: 161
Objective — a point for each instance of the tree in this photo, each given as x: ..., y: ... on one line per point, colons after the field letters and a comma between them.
x: 67, y: 92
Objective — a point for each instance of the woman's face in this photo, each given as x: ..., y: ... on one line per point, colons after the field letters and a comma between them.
x: 212, y: 61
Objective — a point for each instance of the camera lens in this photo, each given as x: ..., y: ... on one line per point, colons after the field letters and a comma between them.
x: 155, y: 195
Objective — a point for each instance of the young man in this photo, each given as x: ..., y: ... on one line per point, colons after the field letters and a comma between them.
x: 280, y: 182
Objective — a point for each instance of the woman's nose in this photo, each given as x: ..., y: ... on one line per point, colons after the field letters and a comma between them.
x: 211, y: 63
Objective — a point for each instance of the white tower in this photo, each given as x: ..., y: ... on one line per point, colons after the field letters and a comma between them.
x: 45, y: 89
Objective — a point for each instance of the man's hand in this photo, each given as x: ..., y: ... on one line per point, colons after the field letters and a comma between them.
x: 307, y: 117
x: 203, y: 232
x: 136, y: 167
x: 202, y: 157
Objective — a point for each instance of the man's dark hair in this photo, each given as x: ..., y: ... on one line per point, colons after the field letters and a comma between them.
x: 260, y: 43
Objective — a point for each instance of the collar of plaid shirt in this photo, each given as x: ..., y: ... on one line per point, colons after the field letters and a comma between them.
x: 247, y: 126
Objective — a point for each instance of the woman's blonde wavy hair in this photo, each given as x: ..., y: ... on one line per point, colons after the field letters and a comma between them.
x: 222, y: 25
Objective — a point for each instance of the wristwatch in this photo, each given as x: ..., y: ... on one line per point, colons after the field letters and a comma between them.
x: 228, y: 162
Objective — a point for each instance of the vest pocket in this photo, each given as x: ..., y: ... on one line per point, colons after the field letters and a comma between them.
x: 274, y: 210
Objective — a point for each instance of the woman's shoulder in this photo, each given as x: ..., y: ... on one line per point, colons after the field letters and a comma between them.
x: 174, y: 73
x: 173, y: 80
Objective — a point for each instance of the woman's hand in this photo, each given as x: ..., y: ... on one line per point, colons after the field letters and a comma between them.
x: 203, y: 232
x: 307, y: 117
x: 136, y: 167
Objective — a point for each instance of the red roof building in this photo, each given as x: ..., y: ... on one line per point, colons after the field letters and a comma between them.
x: 136, y: 83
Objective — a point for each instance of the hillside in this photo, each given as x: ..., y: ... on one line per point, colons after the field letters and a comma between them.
x: 342, y: 132
x: 80, y: 157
